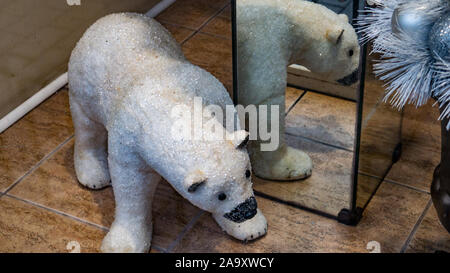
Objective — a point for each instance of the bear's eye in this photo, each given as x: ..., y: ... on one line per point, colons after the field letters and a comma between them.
x: 222, y: 196
x: 248, y: 173
x: 351, y: 52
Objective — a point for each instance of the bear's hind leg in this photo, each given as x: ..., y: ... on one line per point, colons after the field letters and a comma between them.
x: 90, y: 154
x: 134, y: 185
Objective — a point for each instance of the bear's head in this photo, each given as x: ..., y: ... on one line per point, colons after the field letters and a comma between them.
x: 331, y: 49
x: 222, y: 185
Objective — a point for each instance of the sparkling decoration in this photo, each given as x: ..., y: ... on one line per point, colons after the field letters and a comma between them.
x: 440, y: 38
x: 412, y: 38
x: 413, y: 20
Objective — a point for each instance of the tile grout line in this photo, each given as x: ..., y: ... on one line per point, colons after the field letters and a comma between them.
x: 180, y: 26
x: 160, y: 249
x: 319, y: 142
x: 416, y: 227
x: 295, y: 103
x: 191, y: 29
x: 219, y: 11
x: 185, y: 230
x: 406, y: 186
x: 295, y: 205
x: 211, y: 35
x: 162, y: 21
x: 215, y: 35
x: 395, y: 183
x: 370, y: 175
x: 205, y: 23
x: 58, y: 212
x: 83, y: 221
x: 319, y: 92
x: 38, y: 164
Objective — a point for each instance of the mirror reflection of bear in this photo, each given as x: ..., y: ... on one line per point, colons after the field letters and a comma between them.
x: 126, y: 74
x: 273, y: 34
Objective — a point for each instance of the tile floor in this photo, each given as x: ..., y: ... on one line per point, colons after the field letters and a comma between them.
x: 43, y: 208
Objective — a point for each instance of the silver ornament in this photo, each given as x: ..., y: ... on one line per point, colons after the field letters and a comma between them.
x: 414, y: 19
x: 439, y: 39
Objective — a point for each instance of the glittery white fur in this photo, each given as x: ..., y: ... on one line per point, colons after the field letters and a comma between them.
x: 273, y: 34
x: 125, y: 76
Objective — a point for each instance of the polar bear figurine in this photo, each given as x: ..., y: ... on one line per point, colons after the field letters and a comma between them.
x: 126, y: 74
x: 272, y: 34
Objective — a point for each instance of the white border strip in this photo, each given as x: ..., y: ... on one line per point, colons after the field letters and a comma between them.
x: 160, y: 7
x: 16, y: 114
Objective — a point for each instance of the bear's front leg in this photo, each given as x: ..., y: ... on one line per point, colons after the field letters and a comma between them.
x: 90, y: 156
x: 284, y: 163
x: 262, y: 81
x: 134, y: 185
x: 281, y: 163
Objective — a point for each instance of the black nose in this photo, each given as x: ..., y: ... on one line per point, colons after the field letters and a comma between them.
x: 350, y: 79
x: 243, y: 211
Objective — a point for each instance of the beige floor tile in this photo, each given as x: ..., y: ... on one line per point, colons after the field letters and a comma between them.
x: 54, y: 185
x: 325, y: 119
x: 421, y: 125
x: 294, y: 230
x: 33, y: 137
x: 381, y: 126
x: 191, y: 14
x: 220, y: 25
x: 328, y: 189
x: 367, y: 186
x: 421, y: 148
x: 27, y: 228
x: 379, y: 138
x: 179, y: 33
x: 416, y: 167
x: 431, y: 235
x: 213, y: 54
x: 226, y: 12
x: 292, y: 95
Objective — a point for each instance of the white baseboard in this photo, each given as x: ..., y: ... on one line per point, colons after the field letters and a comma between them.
x: 20, y: 111
x: 160, y: 7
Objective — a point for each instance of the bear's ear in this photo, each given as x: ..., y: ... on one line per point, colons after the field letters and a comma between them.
x: 335, y: 35
x: 194, y: 180
x: 240, y: 139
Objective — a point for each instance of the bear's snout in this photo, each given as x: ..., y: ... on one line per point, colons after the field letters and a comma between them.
x: 350, y: 79
x: 243, y: 211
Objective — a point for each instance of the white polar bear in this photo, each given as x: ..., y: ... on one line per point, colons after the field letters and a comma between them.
x: 126, y: 74
x: 271, y: 35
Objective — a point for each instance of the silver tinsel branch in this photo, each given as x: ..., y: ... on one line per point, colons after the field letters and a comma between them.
x: 410, y: 69
x: 441, y: 87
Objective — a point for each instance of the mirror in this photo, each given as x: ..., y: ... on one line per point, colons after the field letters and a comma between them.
x: 379, y: 135
x: 347, y: 131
